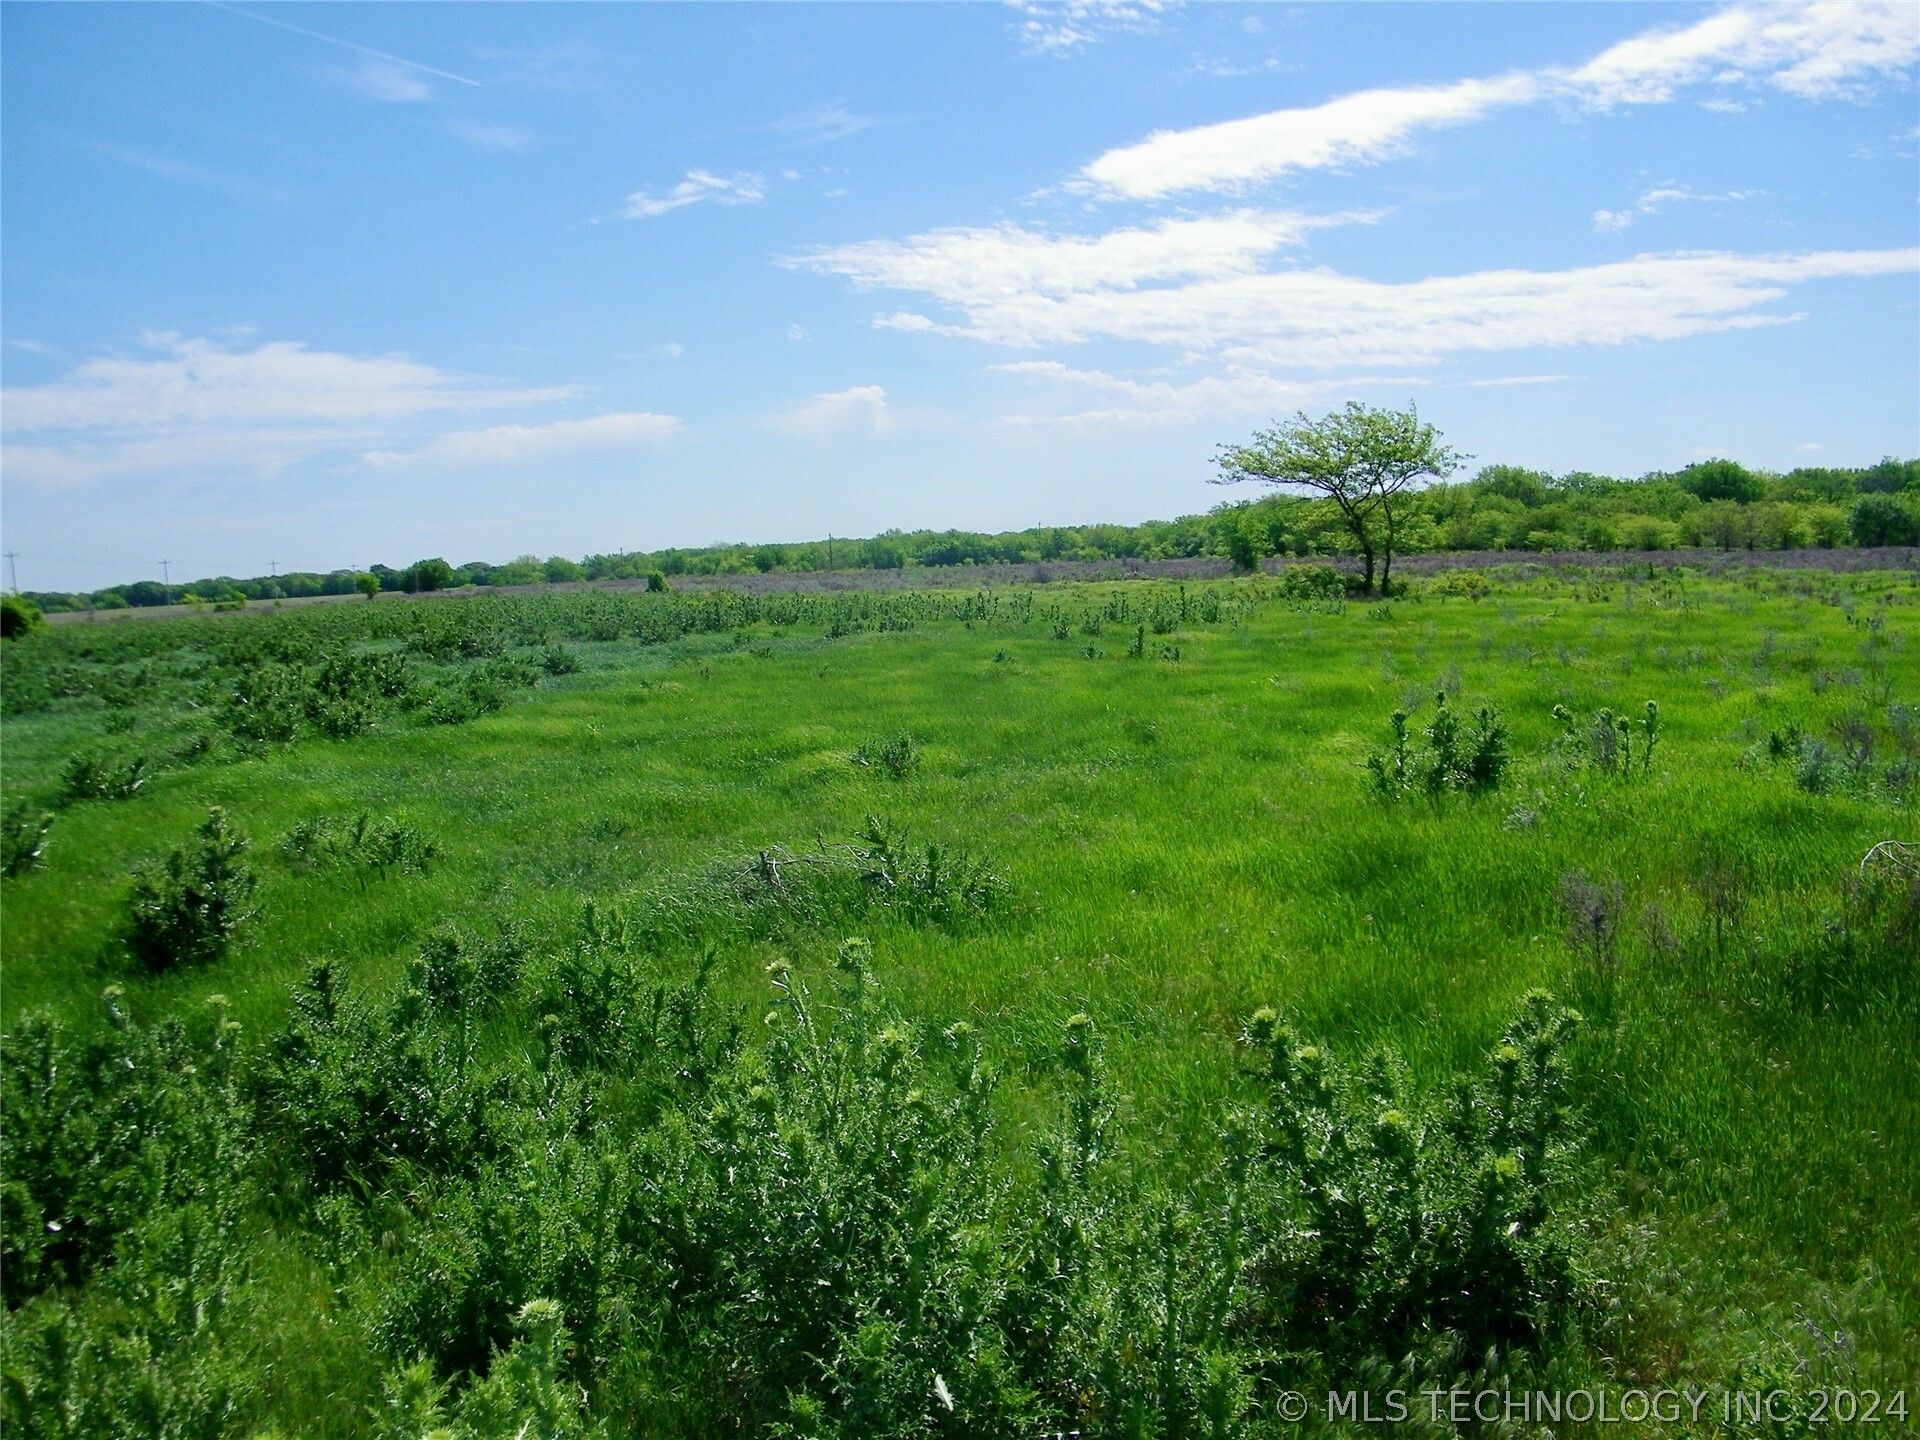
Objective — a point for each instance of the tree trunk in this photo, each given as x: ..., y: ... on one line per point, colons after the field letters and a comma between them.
x: 1367, y: 552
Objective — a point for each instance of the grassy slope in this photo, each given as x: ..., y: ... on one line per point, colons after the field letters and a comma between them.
x: 1185, y: 841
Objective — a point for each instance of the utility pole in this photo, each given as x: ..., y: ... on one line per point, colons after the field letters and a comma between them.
x: 829, y: 551
x: 273, y: 569
x: 13, y: 576
x: 166, y: 581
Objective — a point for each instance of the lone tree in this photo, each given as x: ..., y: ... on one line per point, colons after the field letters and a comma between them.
x: 1366, y: 461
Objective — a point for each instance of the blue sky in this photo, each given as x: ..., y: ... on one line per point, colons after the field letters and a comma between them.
x: 324, y: 285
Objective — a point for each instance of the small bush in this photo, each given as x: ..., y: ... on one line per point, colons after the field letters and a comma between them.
x: 185, y: 910
x: 383, y: 844
x: 898, y: 756
x: 18, y: 616
x: 1606, y: 742
x: 1469, y: 761
x: 23, y: 837
x: 88, y: 777
x: 1312, y: 582
x: 1383, y: 1216
x: 931, y: 883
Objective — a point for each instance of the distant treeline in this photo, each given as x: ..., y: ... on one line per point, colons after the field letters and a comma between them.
x: 1717, y: 504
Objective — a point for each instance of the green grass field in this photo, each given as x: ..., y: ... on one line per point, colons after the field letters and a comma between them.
x: 1164, y: 842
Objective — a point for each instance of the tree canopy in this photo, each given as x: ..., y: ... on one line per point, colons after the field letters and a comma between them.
x: 1361, y: 458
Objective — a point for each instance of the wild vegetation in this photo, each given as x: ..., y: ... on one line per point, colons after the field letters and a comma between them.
x: 1715, y: 505
x: 1095, y: 1008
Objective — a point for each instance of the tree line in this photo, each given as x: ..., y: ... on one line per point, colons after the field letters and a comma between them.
x: 1715, y: 504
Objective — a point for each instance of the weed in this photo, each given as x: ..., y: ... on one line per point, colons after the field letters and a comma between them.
x: 88, y: 777
x: 897, y: 755
x: 1593, y: 912
x: 23, y: 837
x: 185, y: 910
x: 383, y: 845
x: 1471, y: 761
x: 930, y: 883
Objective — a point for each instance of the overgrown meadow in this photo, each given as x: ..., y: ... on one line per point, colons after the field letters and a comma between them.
x: 1099, y: 1009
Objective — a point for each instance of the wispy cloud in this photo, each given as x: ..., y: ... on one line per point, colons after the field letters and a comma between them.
x: 1504, y: 380
x: 185, y: 403
x: 516, y: 444
x: 1057, y: 27
x: 1165, y: 402
x: 1317, y: 318
x: 177, y: 171
x: 187, y: 381
x: 379, y: 56
x: 1353, y: 129
x: 829, y: 121
x: 980, y: 268
x: 1818, y: 49
x: 381, y: 80
x: 494, y: 137
x: 859, y: 410
x: 1609, y: 222
x: 740, y: 189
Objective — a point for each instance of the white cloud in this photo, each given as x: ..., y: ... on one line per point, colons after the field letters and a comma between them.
x: 1056, y: 27
x: 1163, y: 402
x: 971, y: 267
x: 861, y: 409
x: 202, y: 408
x: 1321, y: 319
x: 187, y: 382
x: 384, y: 80
x: 495, y: 137
x: 1810, y: 447
x: 829, y: 121
x: 1816, y: 49
x: 740, y: 189
x: 513, y: 444
x: 1515, y: 380
x: 1608, y: 222
x: 798, y: 333
x: 1367, y: 126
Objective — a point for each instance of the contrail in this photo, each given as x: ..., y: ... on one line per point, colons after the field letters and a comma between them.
x: 345, y: 44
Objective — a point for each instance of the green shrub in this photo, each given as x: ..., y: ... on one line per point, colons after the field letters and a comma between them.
x: 934, y: 884
x: 89, y: 777
x: 1312, y: 582
x: 1379, y: 1216
x: 185, y: 910
x: 897, y: 755
x: 384, y: 845
x: 348, y: 1090
x: 107, y: 1132
x: 1605, y: 741
x: 524, y: 1394
x: 1470, y: 761
x: 23, y: 837
x: 18, y: 616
